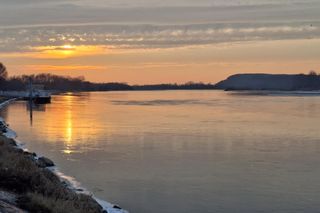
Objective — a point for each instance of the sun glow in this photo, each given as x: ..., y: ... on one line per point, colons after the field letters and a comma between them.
x: 67, y: 46
x: 67, y: 51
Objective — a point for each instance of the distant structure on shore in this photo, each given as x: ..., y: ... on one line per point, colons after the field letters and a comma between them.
x: 35, y: 93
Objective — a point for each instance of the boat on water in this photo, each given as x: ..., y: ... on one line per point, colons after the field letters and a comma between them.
x: 42, y: 100
x: 38, y: 95
x: 41, y: 97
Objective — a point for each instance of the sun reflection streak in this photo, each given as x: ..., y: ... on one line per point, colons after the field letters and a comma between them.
x: 68, y: 130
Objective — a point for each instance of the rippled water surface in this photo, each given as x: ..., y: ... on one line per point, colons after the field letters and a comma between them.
x: 182, y: 151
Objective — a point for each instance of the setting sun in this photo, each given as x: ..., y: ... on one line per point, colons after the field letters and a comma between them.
x: 67, y: 46
x: 66, y: 51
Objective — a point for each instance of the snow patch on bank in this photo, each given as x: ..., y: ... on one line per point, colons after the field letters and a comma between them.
x: 74, y: 185
x: 110, y: 208
x: 5, y: 103
x: 9, y: 132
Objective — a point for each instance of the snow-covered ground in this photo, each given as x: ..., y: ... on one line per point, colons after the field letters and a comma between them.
x: 5, y: 103
x: 76, y: 186
x: 109, y: 207
x: 10, y: 133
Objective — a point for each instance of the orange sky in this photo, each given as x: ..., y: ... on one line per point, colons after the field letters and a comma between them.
x: 206, y: 63
x: 152, y: 41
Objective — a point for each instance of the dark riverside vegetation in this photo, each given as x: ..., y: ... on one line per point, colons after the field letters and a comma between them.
x: 66, y: 83
x: 35, y: 187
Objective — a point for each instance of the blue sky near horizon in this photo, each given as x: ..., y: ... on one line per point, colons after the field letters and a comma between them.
x: 152, y: 41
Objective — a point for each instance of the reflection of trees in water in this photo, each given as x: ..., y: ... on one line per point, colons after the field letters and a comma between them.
x: 31, y: 106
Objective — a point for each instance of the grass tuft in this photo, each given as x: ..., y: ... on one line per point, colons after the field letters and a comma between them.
x: 40, y: 189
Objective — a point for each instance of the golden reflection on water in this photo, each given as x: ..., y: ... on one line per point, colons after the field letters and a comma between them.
x: 67, y: 123
x: 68, y: 130
x: 68, y: 127
x: 77, y: 123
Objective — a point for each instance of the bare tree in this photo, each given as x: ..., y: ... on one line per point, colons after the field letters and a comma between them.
x: 3, y: 72
x: 312, y: 72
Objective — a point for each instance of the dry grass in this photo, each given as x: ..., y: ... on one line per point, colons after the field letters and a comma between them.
x: 40, y: 189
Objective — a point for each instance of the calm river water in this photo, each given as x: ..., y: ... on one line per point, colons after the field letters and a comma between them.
x: 182, y: 151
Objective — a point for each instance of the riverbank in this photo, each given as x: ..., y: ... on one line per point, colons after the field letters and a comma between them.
x: 28, y: 183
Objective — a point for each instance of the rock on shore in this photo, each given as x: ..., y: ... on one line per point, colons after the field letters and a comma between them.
x: 44, y: 162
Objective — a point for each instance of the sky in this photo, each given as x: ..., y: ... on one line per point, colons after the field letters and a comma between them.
x: 159, y: 41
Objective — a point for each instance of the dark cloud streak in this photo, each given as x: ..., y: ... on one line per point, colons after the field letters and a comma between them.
x: 66, y: 12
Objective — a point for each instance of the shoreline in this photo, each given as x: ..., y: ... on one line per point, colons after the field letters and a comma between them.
x: 8, y: 141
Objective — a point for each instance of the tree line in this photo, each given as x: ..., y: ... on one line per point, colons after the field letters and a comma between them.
x: 66, y: 83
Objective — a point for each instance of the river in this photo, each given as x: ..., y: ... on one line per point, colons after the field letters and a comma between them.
x: 182, y: 151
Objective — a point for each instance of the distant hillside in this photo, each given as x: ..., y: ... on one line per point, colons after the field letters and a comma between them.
x: 270, y: 82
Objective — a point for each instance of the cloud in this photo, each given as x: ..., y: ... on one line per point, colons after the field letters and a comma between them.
x: 55, y: 38
x: 52, y: 68
x: 149, y: 24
